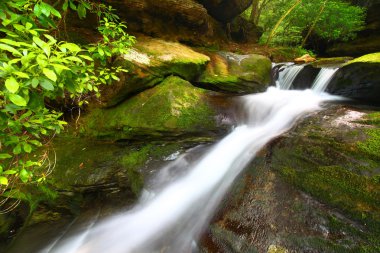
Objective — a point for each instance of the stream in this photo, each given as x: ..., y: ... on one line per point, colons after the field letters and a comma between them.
x: 172, y: 217
x: 179, y: 202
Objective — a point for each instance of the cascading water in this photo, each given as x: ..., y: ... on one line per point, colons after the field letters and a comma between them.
x: 323, y: 78
x: 172, y: 219
x: 287, y: 74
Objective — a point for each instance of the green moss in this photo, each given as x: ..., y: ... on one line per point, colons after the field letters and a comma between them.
x: 371, y: 146
x: 368, y: 58
x: 173, y: 107
x: 355, y: 194
x: 333, y: 61
x: 250, y: 73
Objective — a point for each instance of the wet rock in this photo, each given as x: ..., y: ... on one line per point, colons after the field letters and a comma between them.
x: 304, y: 59
x: 225, y: 10
x: 313, y: 190
x: 172, y: 108
x: 148, y: 63
x: 359, y: 80
x: 236, y: 74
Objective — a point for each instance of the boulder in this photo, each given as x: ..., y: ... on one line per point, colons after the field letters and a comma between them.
x: 185, y: 20
x: 236, y: 74
x: 148, y: 63
x: 306, y: 58
x: 359, y: 80
x: 225, y: 10
x: 172, y: 108
x: 313, y: 190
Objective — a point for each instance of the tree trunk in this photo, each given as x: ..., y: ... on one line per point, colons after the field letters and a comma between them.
x: 314, y: 23
x: 273, y: 32
x: 254, y: 12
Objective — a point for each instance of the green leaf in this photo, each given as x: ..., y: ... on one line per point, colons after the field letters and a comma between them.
x: 12, y: 85
x: 65, y: 5
x: 55, y: 12
x: 10, y: 49
x: 50, y: 74
x: 45, y: 8
x: 17, y: 150
x: 5, y: 156
x: 24, y: 175
x: 47, y: 85
x: 37, y: 10
x: 86, y: 57
x: 81, y: 11
x: 35, y: 82
x: 3, y: 180
x: 70, y: 46
x: 21, y: 74
x: 50, y: 38
x: 10, y: 42
x: 39, y: 42
x: 17, y: 100
x: 9, y: 172
x: 27, y: 148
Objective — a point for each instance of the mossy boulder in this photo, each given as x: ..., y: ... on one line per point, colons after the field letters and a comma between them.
x: 316, y: 189
x: 148, y: 63
x: 334, y: 157
x: 359, y: 80
x: 236, y: 74
x: 172, y: 108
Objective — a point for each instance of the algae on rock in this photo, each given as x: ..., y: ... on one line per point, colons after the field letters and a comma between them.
x: 232, y: 73
x: 359, y: 80
x: 148, y: 63
x: 173, y: 108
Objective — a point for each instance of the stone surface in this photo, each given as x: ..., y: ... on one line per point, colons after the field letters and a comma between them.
x: 172, y: 108
x: 313, y: 190
x: 359, y: 80
x: 225, y: 10
x: 185, y: 20
x: 237, y: 74
x: 148, y: 63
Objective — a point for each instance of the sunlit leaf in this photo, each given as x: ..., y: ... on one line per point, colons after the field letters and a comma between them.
x: 3, y: 180
x: 9, y: 49
x: 50, y: 74
x: 12, y: 85
x: 17, y: 100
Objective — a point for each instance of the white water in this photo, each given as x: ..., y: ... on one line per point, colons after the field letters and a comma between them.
x: 323, y: 79
x: 172, y: 219
x: 287, y: 75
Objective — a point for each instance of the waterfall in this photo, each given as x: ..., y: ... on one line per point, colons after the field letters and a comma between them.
x: 287, y: 74
x: 323, y: 79
x: 172, y: 218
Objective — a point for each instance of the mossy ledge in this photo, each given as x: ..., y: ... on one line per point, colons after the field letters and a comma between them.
x: 172, y: 108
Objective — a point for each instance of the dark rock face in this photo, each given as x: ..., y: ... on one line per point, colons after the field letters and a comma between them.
x: 184, y: 20
x: 359, y: 81
x: 225, y: 10
x: 314, y: 190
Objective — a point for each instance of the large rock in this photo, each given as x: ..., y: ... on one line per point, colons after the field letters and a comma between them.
x: 172, y: 108
x: 316, y: 189
x: 238, y: 74
x: 185, y: 20
x: 148, y: 63
x: 225, y: 10
x: 359, y: 79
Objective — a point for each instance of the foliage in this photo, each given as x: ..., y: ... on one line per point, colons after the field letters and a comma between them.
x: 35, y: 67
x: 330, y: 20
